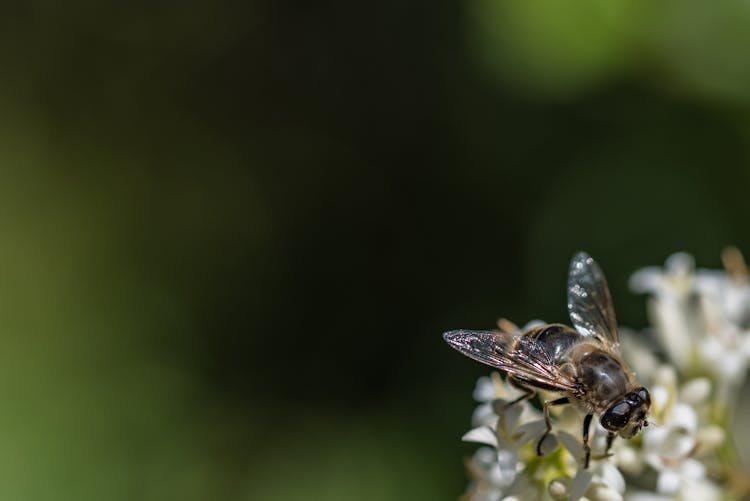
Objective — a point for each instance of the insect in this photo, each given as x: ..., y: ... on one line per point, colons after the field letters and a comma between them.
x: 583, y: 364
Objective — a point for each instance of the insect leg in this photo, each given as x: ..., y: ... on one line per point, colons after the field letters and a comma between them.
x: 610, y: 438
x: 528, y: 392
x: 547, y: 404
x: 586, y: 447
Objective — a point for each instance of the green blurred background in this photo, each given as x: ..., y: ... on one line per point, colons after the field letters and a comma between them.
x: 232, y: 235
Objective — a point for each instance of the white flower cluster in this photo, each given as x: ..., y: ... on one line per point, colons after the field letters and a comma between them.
x: 509, y: 469
x: 701, y: 319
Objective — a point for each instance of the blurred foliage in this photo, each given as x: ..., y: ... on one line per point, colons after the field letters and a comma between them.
x: 557, y: 49
x: 233, y: 235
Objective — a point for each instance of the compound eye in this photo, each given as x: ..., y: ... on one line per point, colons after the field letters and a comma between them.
x: 616, y: 417
x: 645, y: 396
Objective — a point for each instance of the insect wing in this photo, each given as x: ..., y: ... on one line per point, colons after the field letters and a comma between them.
x: 512, y: 353
x: 589, y: 302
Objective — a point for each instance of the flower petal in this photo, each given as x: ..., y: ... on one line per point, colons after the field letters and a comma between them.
x: 683, y: 416
x: 484, y: 416
x: 702, y: 489
x: 612, y: 477
x: 710, y: 437
x: 680, y: 264
x: 654, y: 437
x: 666, y: 375
x: 508, y: 414
x: 629, y: 460
x: 573, y: 445
x: 485, y: 456
x: 603, y: 493
x: 638, y: 352
x: 580, y: 484
x: 668, y: 482
x: 484, y: 391
x: 659, y: 398
x: 530, y: 431
x: 647, y: 279
x: 693, y: 469
x: 549, y: 444
x: 481, y: 435
x: 647, y: 496
x: 695, y: 391
x: 506, y: 473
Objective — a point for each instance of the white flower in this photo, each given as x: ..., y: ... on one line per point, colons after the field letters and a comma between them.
x: 671, y: 444
x: 687, y: 484
x: 489, y: 478
x: 639, y: 352
x: 488, y: 390
x: 727, y: 292
x: 602, y: 480
x: 672, y: 306
x: 702, y: 317
x: 725, y: 302
x: 514, y: 426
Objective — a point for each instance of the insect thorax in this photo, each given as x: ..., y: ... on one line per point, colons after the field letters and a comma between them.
x: 557, y: 340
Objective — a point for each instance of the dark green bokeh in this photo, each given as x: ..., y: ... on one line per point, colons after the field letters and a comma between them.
x: 233, y: 236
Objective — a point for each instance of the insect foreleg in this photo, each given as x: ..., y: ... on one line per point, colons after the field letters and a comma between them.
x: 586, y: 447
x: 547, y: 404
x: 610, y: 438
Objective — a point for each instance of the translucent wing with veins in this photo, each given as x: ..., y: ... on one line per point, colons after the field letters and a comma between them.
x: 589, y: 301
x: 513, y: 353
